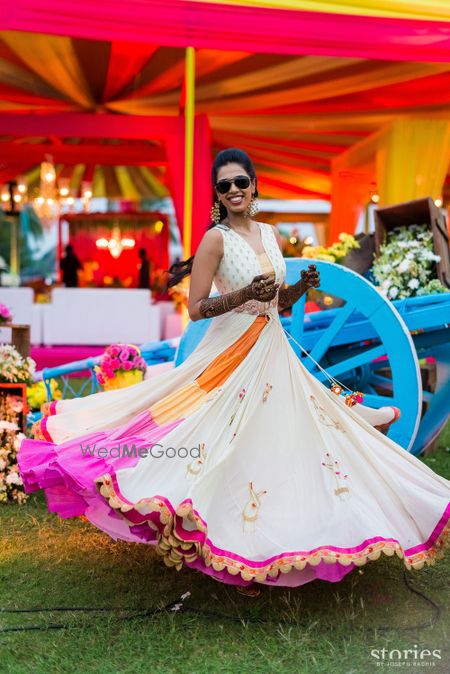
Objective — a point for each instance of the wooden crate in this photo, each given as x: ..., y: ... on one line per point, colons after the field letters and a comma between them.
x: 361, y: 259
x: 417, y: 212
x: 21, y: 339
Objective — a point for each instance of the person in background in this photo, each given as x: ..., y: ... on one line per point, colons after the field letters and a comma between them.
x: 69, y: 266
x: 144, y: 270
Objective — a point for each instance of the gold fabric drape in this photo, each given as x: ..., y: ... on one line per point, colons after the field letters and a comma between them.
x: 430, y: 10
x: 412, y: 160
x: 407, y: 159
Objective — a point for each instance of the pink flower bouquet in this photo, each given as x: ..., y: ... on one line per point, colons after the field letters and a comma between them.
x: 121, y: 365
x: 5, y: 315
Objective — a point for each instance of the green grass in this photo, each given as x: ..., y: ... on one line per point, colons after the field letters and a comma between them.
x: 318, y: 628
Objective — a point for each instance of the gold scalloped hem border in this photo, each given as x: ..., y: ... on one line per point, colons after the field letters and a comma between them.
x: 298, y: 562
x: 176, y: 550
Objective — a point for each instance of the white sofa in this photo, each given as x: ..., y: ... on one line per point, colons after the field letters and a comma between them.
x: 100, y: 316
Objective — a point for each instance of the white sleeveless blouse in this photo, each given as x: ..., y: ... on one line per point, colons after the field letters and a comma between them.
x: 240, y: 264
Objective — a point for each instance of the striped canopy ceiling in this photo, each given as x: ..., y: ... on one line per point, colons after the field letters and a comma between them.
x: 292, y: 113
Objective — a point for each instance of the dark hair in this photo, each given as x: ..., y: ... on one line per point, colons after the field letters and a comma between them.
x: 231, y: 155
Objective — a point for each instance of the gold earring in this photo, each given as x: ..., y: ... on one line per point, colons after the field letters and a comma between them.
x: 215, y: 213
x: 253, y: 207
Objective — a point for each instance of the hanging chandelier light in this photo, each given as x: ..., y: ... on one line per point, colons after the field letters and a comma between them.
x: 66, y: 196
x: 116, y: 244
x: 46, y: 204
x: 13, y: 195
x: 86, y: 195
x: 55, y: 195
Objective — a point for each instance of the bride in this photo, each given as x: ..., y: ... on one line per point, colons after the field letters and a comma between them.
x: 262, y: 474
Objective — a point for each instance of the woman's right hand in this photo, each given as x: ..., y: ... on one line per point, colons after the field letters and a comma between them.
x: 263, y: 288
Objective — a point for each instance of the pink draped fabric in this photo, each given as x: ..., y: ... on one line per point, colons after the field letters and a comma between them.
x: 199, y: 24
x: 202, y: 191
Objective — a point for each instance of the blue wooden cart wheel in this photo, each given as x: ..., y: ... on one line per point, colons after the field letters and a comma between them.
x: 366, y: 328
x: 347, y: 342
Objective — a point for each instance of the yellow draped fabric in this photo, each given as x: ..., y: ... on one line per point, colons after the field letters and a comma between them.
x: 286, y: 71
x: 407, y: 159
x: 56, y: 63
x: 139, y: 182
x: 189, y: 112
x: 77, y: 177
x: 437, y: 10
x: 335, y: 86
x: 291, y: 69
x: 131, y: 182
x: 126, y: 183
x: 209, y: 97
x: 20, y: 78
x: 98, y: 186
x: 157, y: 188
x: 206, y: 62
x: 412, y: 160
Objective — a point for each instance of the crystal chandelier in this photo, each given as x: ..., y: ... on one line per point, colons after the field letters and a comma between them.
x: 45, y: 204
x: 13, y: 195
x: 55, y: 196
x: 116, y: 244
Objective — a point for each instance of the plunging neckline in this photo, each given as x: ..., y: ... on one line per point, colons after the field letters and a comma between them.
x: 257, y: 255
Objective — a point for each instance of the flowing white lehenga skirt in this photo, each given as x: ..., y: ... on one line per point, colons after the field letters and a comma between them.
x: 240, y: 464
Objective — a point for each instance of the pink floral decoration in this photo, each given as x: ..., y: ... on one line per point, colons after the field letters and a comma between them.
x: 119, y: 358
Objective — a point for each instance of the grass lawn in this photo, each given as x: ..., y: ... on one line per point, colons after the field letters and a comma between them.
x: 318, y: 628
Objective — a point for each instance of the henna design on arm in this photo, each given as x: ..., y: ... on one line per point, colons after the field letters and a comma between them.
x: 215, y: 306
x: 262, y: 288
x: 289, y: 295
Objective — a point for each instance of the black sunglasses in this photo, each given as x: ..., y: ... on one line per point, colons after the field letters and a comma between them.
x: 241, y: 182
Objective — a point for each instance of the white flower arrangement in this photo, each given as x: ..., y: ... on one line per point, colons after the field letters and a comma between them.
x: 14, y: 369
x: 11, y: 485
x: 406, y: 266
x: 8, y: 426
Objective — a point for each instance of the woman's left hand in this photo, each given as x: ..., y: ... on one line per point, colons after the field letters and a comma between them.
x: 310, y: 277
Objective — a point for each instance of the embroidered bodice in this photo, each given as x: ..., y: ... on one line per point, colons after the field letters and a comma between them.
x: 240, y: 264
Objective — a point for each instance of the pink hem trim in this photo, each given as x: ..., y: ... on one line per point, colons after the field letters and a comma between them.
x: 200, y: 536
x: 44, y: 429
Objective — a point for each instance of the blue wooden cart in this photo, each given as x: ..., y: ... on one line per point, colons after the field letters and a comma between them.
x: 371, y: 345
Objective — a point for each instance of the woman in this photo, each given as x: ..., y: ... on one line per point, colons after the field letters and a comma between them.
x: 261, y: 475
